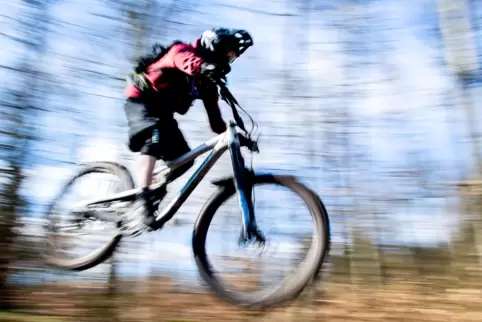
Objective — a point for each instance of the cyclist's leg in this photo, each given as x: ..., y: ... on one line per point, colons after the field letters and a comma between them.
x: 168, y: 145
x: 174, y: 145
x: 141, y: 125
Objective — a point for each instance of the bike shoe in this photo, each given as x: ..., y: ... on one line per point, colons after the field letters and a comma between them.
x: 142, y: 216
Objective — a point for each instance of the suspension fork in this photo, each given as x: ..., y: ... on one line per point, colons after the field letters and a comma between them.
x: 244, y: 186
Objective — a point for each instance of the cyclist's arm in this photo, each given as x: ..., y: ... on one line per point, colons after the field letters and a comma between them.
x: 210, y: 100
x: 184, y: 59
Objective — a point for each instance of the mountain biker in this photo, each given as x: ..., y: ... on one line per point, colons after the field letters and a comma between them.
x: 184, y: 72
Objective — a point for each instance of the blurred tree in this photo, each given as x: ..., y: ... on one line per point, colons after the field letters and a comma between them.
x: 20, y: 112
x: 461, y: 56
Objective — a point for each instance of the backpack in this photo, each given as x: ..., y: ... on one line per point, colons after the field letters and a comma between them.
x: 137, y: 75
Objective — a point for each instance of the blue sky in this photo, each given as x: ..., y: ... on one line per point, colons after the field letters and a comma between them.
x: 403, y: 44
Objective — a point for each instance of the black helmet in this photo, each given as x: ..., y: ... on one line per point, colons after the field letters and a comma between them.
x: 225, y: 45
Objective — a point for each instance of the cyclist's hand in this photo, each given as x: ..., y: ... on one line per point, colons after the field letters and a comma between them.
x: 214, y: 72
x: 219, y: 127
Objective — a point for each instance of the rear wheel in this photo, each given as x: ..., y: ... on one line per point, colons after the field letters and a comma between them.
x: 60, y: 230
x: 296, y: 280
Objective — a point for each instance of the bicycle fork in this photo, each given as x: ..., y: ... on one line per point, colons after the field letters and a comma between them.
x: 243, y: 180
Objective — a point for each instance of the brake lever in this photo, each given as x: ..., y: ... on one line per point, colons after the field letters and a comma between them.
x: 254, y: 147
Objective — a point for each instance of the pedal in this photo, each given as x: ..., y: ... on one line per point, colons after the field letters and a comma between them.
x: 135, y: 229
x: 132, y: 223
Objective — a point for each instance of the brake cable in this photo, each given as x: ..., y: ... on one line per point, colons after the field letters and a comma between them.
x: 229, y: 98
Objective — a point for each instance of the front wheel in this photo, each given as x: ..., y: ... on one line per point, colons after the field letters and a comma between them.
x: 295, y: 282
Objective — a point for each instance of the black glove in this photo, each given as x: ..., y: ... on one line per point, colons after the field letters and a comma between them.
x: 218, y: 127
x: 214, y: 72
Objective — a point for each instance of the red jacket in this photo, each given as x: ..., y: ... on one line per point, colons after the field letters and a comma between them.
x: 173, y: 77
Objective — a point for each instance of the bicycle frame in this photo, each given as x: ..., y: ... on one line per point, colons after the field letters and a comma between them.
x: 229, y: 140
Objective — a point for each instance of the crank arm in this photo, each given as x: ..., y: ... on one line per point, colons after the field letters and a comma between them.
x: 102, y: 214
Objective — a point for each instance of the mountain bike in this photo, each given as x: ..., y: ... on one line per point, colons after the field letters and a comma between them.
x: 115, y: 209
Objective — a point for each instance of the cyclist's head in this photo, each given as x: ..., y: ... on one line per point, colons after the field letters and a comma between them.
x: 224, y: 45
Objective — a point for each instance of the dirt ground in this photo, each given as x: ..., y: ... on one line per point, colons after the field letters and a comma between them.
x: 156, y: 302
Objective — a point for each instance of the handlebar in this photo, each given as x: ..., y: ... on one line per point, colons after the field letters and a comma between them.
x: 229, y: 98
x: 247, y: 142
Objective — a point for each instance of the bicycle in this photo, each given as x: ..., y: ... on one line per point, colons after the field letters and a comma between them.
x: 113, y: 208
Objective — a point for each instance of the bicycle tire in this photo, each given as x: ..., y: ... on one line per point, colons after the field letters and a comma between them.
x: 300, y: 279
x: 105, y: 251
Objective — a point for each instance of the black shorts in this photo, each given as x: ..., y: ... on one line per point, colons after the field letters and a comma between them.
x: 142, y: 119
